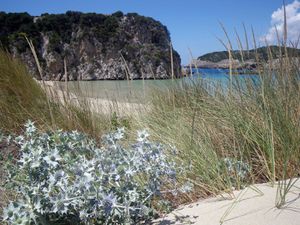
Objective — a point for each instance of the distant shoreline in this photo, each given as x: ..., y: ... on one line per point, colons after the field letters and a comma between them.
x: 235, y: 71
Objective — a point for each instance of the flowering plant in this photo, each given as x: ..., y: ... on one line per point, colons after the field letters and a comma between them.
x: 65, y: 177
x: 237, y: 171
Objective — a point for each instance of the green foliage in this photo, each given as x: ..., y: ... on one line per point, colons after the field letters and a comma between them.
x: 108, y: 29
x: 74, y: 16
x: 262, y: 53
x: 58, y: 26
x: 13, y: 25
x: 91, y: 19
x: 118, y: 14
x: 12, y: 22
x: 237, y: 172
x: 55, y: 42
x: 116, y: 122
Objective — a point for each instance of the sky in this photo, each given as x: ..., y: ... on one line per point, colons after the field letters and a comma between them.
x: 194, y: 24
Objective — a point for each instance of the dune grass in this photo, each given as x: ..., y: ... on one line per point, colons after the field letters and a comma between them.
x: 256, y: 122
x: 23, y: 98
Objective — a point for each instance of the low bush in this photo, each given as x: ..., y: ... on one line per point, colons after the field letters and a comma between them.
x: 63, y: 177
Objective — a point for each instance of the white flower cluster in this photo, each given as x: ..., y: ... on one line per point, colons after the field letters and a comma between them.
x: 64, y: 177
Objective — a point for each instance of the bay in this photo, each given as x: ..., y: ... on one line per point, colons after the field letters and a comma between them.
x: 137, y: 90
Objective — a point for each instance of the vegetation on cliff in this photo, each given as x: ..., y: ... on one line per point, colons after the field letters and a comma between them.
x: 94, y: 46
x: 262, y: 53
x: 13, y: 25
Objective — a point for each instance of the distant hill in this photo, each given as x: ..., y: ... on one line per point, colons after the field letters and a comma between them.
x: 249, y: 55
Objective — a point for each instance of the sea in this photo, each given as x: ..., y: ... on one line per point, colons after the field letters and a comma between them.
x: 136, y: 90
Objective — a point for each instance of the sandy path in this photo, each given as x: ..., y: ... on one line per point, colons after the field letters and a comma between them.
x: 251, y: 209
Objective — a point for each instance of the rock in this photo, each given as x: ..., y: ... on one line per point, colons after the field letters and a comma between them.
x: 95, y: 46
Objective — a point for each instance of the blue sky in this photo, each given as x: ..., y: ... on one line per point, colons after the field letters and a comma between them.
x: 193, y: 24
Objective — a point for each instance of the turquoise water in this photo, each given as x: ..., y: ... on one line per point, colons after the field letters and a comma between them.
x: 123, y: 90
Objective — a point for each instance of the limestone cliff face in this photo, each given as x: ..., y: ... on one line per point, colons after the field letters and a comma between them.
x: 95, y: 46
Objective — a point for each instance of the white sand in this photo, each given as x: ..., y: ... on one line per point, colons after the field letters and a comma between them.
x: 252, y: 209
x: 121, y: 108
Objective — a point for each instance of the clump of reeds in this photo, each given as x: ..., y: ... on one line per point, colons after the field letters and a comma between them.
x: 255, y: 121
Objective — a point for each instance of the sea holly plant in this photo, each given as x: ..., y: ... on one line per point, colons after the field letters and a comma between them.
x: 64, y: 177
x: 237, y: 171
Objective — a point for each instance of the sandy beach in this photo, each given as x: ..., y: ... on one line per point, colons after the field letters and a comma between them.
x: 248, y: 208
x: 96, y: 105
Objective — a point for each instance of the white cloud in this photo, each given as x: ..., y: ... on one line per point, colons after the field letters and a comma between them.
x: 277, y: 20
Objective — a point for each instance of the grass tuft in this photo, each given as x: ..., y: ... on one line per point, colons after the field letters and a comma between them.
x: 23, y: 98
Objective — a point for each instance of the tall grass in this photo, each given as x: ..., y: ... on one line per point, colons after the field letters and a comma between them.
x: 23, y: 98
x: 256, y: 122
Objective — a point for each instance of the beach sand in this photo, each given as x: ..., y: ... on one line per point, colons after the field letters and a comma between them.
x: 251, y: 208
x: 96, y: 105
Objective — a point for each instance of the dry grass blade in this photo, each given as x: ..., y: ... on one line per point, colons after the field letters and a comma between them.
x: 41, y: 75
x: 246, y: 39
x: 240, y: 46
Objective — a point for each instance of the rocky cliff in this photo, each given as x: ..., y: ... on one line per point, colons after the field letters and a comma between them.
x: 89, y: 46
